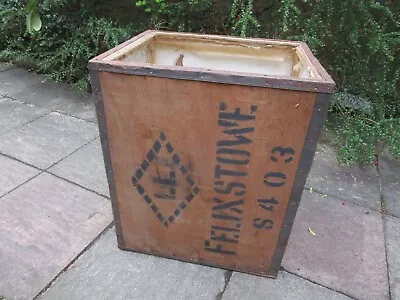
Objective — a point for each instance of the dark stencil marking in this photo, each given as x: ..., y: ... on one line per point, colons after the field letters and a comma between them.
x: 221, y: 228
x: 222, y: 172
x: 160, y: 217
x: 225, y: 123
x: 222, y: 106
x: 253, y: 109
x: 166, y: 197
x: 217, y: 249
x: 226, y: 217
x: 190, y: 180
x: 286, y: 153
x: 189, y: 197
x: 154, y: 208
x: 170, y: 149
x: 275, y: 175
x: 233, y: 151
x: 162, y: 136
x: 150, y: 155
x: 157, y: 146
x: 242, y: 162
x: 147, y: 199
x: 169, y: 183
x: 263, y: 223
x: 140, y: 189
x: 145, y: 164
x: 176, y: 159
x: 183, y: 170
x: 139, y: 174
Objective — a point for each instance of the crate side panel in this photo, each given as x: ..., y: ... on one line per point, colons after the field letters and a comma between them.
x: 204, y: 171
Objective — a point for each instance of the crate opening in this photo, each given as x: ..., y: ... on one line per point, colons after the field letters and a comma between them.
x: 224, y: 54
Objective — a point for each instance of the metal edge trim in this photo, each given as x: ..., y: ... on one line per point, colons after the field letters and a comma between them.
x: 315, y: 62
x: 215, y: 77
x: 307, y: 156
x: 101, y: 118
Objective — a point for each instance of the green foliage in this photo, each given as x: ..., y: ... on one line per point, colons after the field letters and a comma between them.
x: 242, y: 20
x: 182, y: 15
x: 358, y: 42
x: 207, y: 16
x: 72, y: 32
x: 33, y: 21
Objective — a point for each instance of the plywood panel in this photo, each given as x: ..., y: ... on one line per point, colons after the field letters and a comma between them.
x: 203, y: 171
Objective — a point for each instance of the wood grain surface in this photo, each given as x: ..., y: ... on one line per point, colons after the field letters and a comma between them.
x: 203, y: 171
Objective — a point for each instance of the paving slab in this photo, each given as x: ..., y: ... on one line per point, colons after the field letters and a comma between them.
x: 392, y: 227
x: 15, y: 113
x: 50, y: 95
x: 285, y: 287
x: 348, y: 252
x: 85, y: 167
x: 15, y: 80
x: 5, y: 66
x: 350, y: 183
x: 13, y: 173
x: 44, y: 224
x: 105, y: 272
x: 81, y: 107
x: 46, y: 140
x: 389, y: 171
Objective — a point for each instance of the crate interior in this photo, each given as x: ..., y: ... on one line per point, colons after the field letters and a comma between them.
x: 223, y: 54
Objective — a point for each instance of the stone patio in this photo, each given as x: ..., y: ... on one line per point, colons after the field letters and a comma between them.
x: 57, y: 239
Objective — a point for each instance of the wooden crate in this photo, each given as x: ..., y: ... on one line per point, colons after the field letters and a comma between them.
x: 207, y: 142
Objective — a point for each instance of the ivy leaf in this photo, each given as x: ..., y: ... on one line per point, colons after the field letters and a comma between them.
x: 33, y: 21
x: 36, y: 22
x: 29, y: 23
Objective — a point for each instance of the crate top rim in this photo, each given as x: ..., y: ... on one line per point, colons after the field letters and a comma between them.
x: 323, y: 83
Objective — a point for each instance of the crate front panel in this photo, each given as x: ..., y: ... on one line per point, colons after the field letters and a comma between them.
x: 203, y: 171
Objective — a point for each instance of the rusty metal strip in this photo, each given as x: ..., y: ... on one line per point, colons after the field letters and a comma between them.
x: 307, y: 156
x: 176, y: 72
x: 101, y: 118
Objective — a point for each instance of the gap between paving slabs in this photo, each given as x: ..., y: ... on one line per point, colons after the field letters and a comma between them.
x: 18, y: 85
x: 105, y: 272
x: 59, y: 227
x: 347, y: 252
x: 349, y: 183
x: 70, y: 264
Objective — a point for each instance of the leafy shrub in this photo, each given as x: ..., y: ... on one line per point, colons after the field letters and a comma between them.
x: 208, y: 16
x: 358, y: 42
x: 73, y: 32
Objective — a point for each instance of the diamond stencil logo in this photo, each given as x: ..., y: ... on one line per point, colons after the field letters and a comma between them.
x: 167, y: 184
